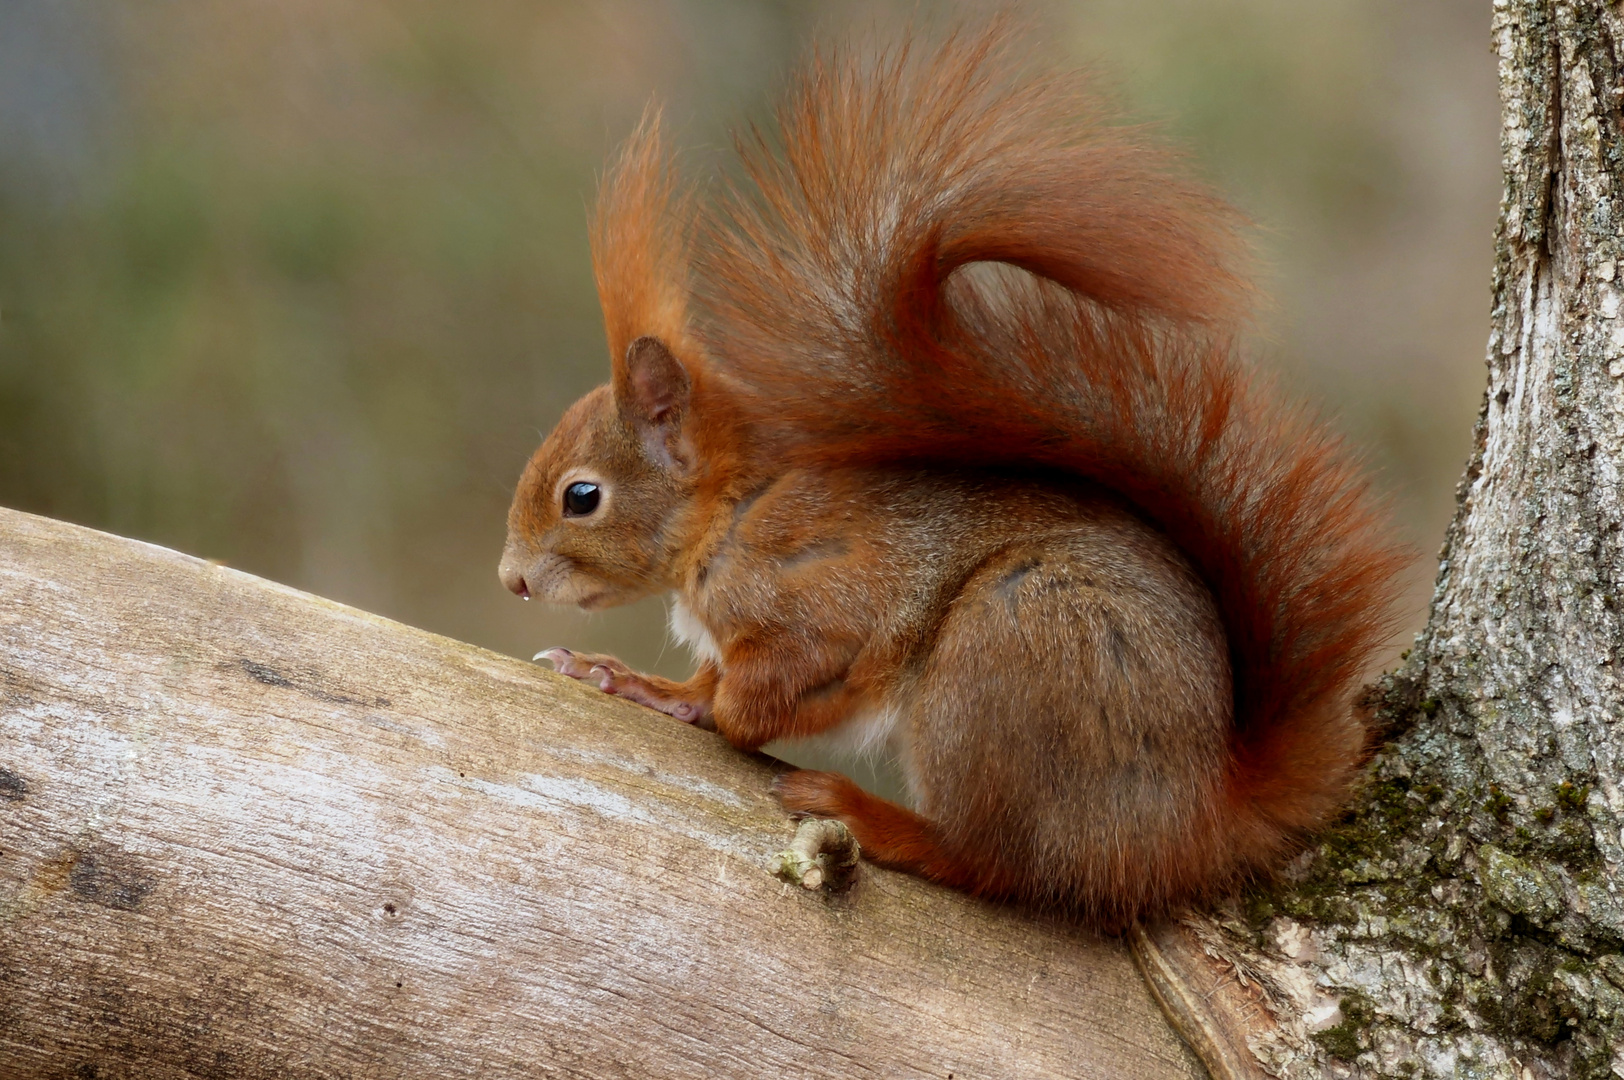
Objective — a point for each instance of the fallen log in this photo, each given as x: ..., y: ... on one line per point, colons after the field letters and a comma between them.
x: 247, y: 832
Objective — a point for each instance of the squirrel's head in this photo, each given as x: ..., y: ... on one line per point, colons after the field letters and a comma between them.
x: 600, y: 513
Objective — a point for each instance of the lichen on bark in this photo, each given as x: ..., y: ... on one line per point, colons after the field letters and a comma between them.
x: 1466, y: 918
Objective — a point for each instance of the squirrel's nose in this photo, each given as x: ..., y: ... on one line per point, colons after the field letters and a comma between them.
x: 513, y: 579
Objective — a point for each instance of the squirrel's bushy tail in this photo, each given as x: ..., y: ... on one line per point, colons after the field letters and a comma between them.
x: 845, y: 310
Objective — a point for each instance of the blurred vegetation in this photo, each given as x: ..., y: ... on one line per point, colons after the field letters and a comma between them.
x: 297, y: 284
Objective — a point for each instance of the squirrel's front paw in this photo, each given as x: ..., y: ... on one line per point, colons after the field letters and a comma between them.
x: 616, y: 678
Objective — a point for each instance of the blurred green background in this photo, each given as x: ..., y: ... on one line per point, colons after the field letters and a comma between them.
x: 298, y: 284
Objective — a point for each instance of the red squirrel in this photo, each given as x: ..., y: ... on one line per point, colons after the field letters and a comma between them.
x: 933, y: 423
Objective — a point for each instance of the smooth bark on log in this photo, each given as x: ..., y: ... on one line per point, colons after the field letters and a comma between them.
x: 1467, y: 919
x: 246, y: 832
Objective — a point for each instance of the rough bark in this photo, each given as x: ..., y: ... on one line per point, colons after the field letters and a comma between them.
x: 245, y: 832
x: 1466, y: 921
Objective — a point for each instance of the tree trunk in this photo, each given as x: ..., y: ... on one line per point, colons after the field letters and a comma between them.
x: 245, y: 833
x: 1467, y: 919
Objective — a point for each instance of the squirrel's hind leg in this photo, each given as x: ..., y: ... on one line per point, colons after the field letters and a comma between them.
x: 890, y: 835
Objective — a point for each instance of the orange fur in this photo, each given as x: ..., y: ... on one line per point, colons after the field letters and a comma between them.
x: 639, y: 246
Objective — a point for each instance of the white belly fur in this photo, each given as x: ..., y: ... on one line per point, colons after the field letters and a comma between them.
x: 686, y: 628
x: 866, y: 734
x: 871, y: 734
x: 871, y: 742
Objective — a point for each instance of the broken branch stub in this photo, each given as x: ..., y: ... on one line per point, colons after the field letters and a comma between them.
x: 823, y: 854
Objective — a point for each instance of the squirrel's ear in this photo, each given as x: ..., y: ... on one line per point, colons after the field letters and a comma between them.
x: 652, y: 390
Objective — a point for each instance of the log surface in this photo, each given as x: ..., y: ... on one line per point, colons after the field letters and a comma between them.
x: 246, y: 832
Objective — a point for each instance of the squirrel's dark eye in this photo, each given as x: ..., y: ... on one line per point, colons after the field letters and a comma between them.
x: 580, y: 499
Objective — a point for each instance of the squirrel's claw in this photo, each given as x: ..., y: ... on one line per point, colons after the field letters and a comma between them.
x: 565, y: 662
